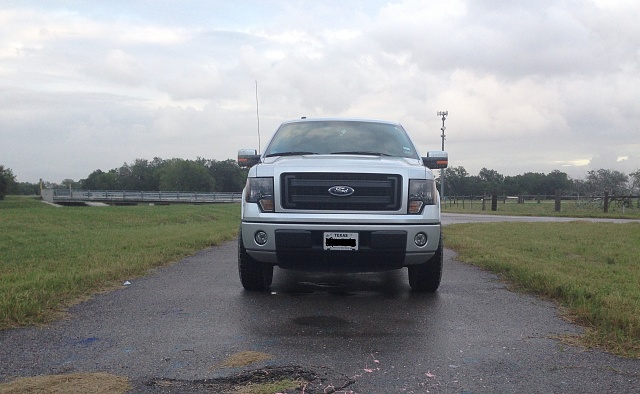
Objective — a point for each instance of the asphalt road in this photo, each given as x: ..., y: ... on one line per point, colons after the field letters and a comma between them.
x: 364, y: 333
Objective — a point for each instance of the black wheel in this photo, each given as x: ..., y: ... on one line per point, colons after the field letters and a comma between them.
x: 254, y: 275
x: 426, y: 277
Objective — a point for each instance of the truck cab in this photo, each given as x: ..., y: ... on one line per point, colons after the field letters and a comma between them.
x: 340, y: 195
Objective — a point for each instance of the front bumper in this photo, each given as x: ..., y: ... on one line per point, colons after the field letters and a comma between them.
x: 300, y: 246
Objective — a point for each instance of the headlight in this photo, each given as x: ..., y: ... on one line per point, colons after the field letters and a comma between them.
x: 421, y: 192
x: 260, y: 191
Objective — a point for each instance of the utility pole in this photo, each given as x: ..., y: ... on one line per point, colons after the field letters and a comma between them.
x: 442, y: 171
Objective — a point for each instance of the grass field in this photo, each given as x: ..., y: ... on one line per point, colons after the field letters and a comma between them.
x: 53, y: 257
x: 568, y: 208
x: 591, y: 269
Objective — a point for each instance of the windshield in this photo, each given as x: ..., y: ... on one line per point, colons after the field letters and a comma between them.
x: 341, y: 137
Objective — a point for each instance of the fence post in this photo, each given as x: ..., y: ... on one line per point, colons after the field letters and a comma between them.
x: 558, y: 200
x: 606, y: 201
x: 494, y: 201
x: 484, y: 197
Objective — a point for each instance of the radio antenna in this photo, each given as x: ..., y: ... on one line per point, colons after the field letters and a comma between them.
x: 258, y: 117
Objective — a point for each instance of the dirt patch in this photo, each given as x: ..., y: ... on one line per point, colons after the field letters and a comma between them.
x: 76, y: 383
x: 242, y: 359
x: 284, y: 380
x: 300, y: 380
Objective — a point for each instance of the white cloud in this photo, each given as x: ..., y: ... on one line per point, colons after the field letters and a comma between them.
x: 528, y: 86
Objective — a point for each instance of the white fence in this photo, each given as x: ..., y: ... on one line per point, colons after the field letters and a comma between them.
x: 125, y: 196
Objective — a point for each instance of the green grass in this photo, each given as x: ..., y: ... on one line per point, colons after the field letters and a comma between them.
x: 583, y: 209
x: 53, y: 257
x: 591, y: 269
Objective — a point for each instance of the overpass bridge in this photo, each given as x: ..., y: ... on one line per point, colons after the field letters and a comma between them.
x: 126, y: 197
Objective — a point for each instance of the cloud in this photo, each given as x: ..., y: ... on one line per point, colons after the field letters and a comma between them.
x: 528, y: 86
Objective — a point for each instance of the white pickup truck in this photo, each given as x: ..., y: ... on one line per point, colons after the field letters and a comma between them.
x: 340, y: 195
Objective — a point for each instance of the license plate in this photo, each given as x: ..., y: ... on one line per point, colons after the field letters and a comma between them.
x: 340, y: 241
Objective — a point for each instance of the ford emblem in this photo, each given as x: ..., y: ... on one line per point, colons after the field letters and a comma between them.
x: 341, y: 191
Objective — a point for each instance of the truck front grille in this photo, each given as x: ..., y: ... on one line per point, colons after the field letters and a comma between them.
x: 371, y: 192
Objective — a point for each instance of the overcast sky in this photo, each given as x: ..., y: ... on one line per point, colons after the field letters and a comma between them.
x: 530, y: 86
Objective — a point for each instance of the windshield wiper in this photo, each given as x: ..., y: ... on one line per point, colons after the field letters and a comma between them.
x: 296, y: 153
x: 360, y: 152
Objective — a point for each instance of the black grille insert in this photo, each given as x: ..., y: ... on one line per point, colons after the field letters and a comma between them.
x: 371, y: 192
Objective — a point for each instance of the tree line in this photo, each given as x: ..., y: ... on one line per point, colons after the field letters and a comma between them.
x: 208, y: 175
x: 458, y: 182
x: 200, y: 175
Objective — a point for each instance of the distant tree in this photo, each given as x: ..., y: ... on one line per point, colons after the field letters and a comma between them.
x: 167, y: 175
x: 535, y: 183
x: 228, y: 175
x: 527, y: 183
x: 615, y: 182
x: 125, y: 178
x: 28, y: 189
x: 50, y: 185
x: 476, y: 186
x: 99, y: 180
x: 557, y: 180
x: 70, y: 184
x: 185, y: 175
x: 634, y: 183
x: 457, y: 181
x: 141, y: 175
x: 491, y: 180
x: 7, y: 182
x: 579, y: 187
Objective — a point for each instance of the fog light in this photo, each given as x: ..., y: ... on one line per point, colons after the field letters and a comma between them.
x: 420, y: 239
x: 261, y: 238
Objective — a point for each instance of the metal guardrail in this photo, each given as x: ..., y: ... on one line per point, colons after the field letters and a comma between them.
x: 125, y: 196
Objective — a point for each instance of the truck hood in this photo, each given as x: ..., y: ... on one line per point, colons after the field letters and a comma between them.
x: 273, y: 166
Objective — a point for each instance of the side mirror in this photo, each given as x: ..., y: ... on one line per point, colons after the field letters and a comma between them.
x: 248, y: 158
x: 436, y: 159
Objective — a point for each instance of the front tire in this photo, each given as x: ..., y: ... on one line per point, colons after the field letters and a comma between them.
x: 254, y: 275
x: 426, y: 277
